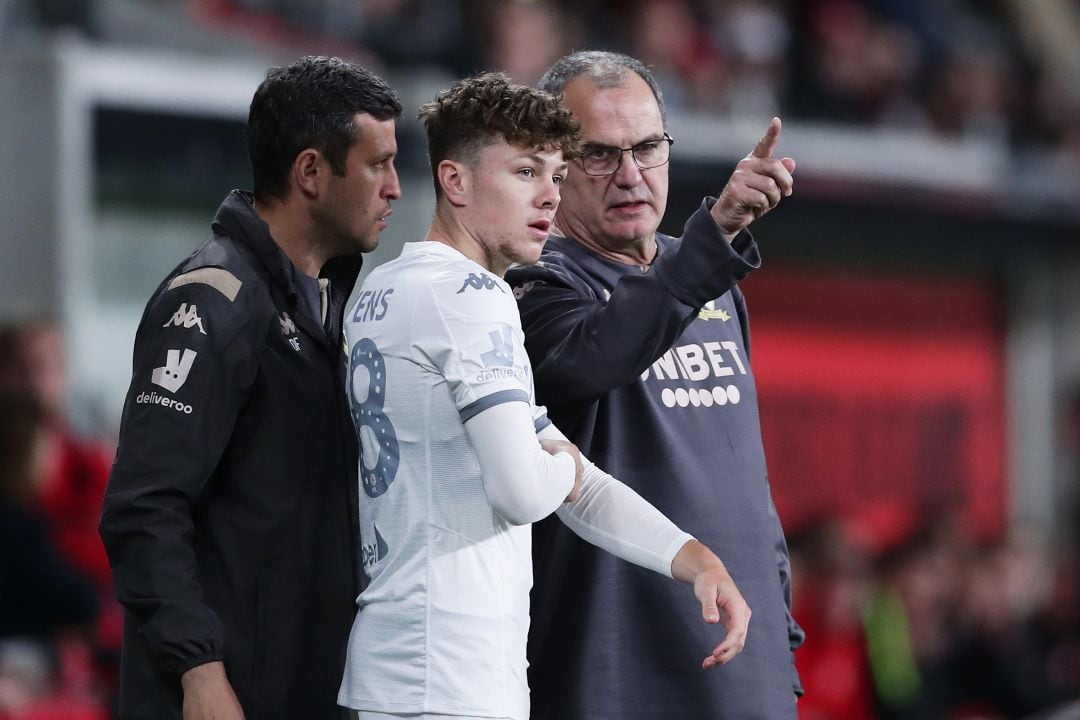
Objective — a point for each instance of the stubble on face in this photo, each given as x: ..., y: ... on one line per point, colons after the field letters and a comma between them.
x: 359, y: 202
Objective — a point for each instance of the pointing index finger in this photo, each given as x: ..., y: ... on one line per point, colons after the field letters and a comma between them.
x: 767, y: 143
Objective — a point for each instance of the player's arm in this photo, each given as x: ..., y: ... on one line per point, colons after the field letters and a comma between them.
x: 523, y: 481
x: 471, y: 336
x: 611, y: 516
x: 193, y: 364
x: 583, y: 345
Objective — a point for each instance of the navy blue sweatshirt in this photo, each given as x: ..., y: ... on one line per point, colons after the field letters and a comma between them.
x: 649, y: 373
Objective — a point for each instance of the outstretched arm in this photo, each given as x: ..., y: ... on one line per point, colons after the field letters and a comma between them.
x: 611, y: 516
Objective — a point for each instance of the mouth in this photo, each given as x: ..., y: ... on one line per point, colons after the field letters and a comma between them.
x: 540, y: 228
x: 382, y: 221
x: 629, y: 207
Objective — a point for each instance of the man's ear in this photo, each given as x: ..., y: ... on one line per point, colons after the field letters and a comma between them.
x: 456, y: 181
x: 307, y: 167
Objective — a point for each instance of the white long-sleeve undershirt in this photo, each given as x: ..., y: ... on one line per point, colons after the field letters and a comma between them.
x: 613, y: 517
x: 525, y: 484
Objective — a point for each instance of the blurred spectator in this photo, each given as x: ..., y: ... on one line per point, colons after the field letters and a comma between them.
x: 525, y: 37
x: 851, y: 66
x: 996, y: 667
x: 1058, y: 627
x: 418, y: 33
x: 74, y: 471
x: 909, y: 619
x: 669, y: 37
x: 68, y: 494
x: 753, y: 37
x: 41, y: 594
x: 972, y: 94
x: 832, y: 579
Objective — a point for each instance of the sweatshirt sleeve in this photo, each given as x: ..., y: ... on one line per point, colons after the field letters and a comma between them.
x: 583, y: 345
x: 194, y: 362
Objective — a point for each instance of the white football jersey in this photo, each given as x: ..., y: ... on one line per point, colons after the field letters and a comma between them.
x: 442, y: 627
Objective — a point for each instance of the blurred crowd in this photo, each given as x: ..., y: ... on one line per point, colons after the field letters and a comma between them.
x: 60, y: 625
x: 936, y: 625
x: 925, y: 624
x: 1003, y: 71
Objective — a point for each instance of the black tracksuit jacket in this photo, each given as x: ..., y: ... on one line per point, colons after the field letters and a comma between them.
x: 230, y: 516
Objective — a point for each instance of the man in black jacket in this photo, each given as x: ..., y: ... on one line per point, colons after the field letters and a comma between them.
x: 230, y: 513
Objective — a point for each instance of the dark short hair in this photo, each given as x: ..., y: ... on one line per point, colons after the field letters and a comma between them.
x: 311, y: 103
x: 475, y: 111
x: 605, y: 69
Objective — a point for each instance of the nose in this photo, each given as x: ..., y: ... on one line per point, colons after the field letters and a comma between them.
x: 628, y: 174
x: 392, y: 188
x: 549, y: 196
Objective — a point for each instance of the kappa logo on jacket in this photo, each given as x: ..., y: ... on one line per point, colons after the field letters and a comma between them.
x: 479, y: 282
x: 186, y: 316
x: 174, y: 373
x: 288, y: 329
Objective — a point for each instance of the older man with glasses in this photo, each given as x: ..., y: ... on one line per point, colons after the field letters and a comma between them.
x: 640, y: 349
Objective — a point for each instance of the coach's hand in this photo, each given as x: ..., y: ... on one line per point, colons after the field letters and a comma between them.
x: 721, y: 601
x: 208, y: 694
x: 756, y: 186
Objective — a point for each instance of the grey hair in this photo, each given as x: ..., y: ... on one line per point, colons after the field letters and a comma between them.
x: 605, y: 69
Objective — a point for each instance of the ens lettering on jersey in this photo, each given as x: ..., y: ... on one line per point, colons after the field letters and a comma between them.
x: 372, y: 305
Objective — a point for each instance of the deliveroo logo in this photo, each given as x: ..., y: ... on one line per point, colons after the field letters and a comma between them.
x: 501, y: 353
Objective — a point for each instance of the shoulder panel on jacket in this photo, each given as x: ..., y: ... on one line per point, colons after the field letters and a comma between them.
x: 218, y: 278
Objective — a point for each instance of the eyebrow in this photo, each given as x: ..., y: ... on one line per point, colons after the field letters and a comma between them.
x: 655, y: 137
x: 539, y: 160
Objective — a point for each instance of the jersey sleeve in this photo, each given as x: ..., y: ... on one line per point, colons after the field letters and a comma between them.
x: 194, y: 362
x: 473, y: 337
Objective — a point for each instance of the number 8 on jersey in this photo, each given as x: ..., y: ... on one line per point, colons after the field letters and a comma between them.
x: 378, y: 441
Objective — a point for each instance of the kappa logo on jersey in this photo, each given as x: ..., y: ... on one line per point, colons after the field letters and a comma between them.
x: 501, y: 353
x: 709, y: 312
x: 480, y: 282
x: 174, y: 373
x: 373, y: 552
x: 187, y: 317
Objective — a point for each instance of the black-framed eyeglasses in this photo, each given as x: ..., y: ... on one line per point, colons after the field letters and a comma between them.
x: 604, y: 159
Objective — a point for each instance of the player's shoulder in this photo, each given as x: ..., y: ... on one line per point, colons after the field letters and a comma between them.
x: 463, y: 288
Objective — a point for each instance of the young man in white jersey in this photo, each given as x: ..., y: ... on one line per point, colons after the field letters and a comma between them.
x: 457, y: 460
